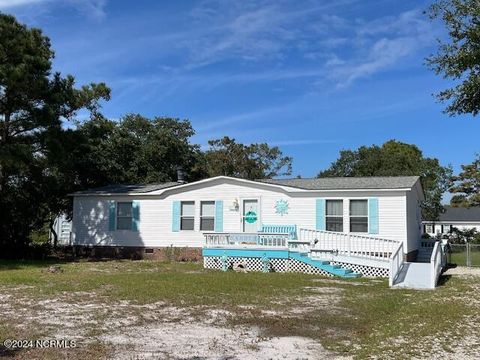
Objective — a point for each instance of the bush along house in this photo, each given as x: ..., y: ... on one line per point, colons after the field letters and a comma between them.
x: 345, y: 227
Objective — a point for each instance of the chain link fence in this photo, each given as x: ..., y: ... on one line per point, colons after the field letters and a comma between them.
x: 464, y: 254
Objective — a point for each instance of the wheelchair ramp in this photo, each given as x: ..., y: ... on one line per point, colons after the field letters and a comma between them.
x: 415, y: 275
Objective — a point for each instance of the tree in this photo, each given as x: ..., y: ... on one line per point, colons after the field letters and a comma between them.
x: 458, y: 59
x: 135, y: 150
x: 463, y: 236
x: 33, y: 104
x: 395, y: 158
x: 467, y: 185
x: 254, y: 161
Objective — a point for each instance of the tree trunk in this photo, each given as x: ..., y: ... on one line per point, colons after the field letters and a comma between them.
x: 54, y: 233
x: 3, y: 140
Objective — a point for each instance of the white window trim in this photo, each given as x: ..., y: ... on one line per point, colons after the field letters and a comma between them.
x: 123, y: 217
x: 194, y: 212
x: 443, y: 229
x: 335, y: 216
x: 350, y: 216
x: 208, y: 217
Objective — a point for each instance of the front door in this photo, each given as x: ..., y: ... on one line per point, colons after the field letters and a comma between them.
x: 250, y: 216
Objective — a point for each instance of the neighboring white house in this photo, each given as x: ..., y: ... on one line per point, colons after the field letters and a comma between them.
x: 63, y: 228
x: 178, y: 214
x: 454, y: 217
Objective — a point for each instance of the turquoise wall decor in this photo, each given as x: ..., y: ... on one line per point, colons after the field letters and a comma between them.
x: 281, y: 207
x: 251, y: 217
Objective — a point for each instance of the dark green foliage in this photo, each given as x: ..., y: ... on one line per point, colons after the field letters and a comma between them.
x: 33, y: 104
x: 134, y: 150
x: 459, y: 58
x: 395, y: 158
x: 467, y: 185
x: 254, y: 161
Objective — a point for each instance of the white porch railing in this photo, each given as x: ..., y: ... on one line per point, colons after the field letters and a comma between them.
x: 299, y: 245
x: 239, y: 239
x: 436, y: 263
x: 396, y: 264
x: 356, y: 245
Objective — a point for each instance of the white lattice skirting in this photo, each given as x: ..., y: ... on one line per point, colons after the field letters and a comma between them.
x: 289, y: 265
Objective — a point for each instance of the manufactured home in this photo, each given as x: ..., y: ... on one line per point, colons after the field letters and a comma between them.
x: 332, y: 226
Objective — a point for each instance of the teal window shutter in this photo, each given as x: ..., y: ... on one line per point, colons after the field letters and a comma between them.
x: 320, y: 214
x: 176, y: 216
x: 136, y: 215
x: 373, y: 216
x: 219, y: 216
x: 112, y: 215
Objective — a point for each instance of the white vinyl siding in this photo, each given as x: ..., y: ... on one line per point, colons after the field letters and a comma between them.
x: 413, y: 219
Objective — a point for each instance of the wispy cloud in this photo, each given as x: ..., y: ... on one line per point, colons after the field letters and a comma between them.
x: 6, y: 4
x: 92, y: 8
x: 249, y: 117
x: 253, y: 30
x: 384, y: 42
x: 304, y: 142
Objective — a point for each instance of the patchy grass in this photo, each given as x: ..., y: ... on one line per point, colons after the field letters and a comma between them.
x: 360, y: 317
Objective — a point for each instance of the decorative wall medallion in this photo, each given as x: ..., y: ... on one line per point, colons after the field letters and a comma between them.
x: 281, y: 207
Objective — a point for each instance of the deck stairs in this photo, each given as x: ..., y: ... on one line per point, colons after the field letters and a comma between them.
x: 324, y: 265
x: 324, y: 249
x: 424, y: 254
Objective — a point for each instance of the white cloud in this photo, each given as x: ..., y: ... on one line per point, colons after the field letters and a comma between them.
x: 303, y: 142
x: 383, y: 54
x: 92, y: 8
x: 252, y: 31
x: 381, y: 44
x: 5, y: 4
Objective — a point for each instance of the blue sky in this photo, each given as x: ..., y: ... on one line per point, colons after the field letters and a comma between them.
x: 312, y: 77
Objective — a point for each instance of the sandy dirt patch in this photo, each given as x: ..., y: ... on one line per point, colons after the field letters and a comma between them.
x: 201, y: 341
x: 463, y: 270
x: 158, y: 330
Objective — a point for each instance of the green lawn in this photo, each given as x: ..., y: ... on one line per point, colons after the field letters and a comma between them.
x: 460, y: 258
x: 360, y: 317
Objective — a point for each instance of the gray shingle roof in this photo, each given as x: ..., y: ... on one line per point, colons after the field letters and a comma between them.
x: 338, y: 183
x: 348, y: 183
x: 461, y: 214
x: 124, y: 189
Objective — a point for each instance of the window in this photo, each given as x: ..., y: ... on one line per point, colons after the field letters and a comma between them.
x: 359, y: 216
x: 334, y: 215
x: 429, y: 229
x: 207, y: 215
x: 446, y: 229
x: 124, y: 216
x: 187, y: 219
